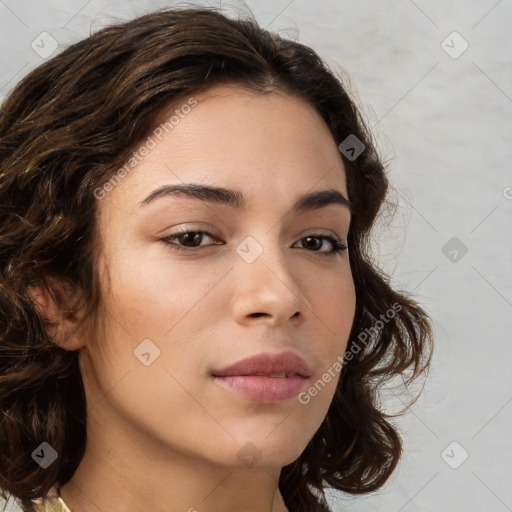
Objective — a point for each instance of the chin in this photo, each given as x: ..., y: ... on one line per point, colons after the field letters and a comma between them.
x: 272, y: 447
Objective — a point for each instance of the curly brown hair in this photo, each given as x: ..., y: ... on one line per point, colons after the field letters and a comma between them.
x: 64, y: 131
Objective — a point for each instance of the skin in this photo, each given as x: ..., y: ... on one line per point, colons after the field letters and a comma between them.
x: 166, y: 436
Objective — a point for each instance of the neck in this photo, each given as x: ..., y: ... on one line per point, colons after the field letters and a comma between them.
x: 132, y: 472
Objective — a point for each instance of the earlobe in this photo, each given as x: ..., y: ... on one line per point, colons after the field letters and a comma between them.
x: 59, y: 306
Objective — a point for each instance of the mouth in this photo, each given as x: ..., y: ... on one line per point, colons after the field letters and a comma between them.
x: 265, y: 378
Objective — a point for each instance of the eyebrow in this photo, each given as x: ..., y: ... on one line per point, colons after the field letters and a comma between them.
x: 235, y: 199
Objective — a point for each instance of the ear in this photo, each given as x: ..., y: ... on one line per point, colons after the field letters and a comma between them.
x: 59, y: 306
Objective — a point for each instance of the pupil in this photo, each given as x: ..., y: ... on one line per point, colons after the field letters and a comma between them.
x: 315, y: 245
x: 191, y: 237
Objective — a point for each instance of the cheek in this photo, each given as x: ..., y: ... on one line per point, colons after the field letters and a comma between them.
x: 149, y: 291
x: 161, y: 309
x: 333, y: 302
x: 333, y: 310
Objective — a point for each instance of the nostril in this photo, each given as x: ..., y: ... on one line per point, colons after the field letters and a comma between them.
x: 257, y: 314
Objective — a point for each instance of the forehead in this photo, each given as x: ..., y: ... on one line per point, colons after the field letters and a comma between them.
x: 231, y: 115
x: 274, y: 144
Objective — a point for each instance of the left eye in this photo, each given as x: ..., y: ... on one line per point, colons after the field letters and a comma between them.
x: 194, y: 238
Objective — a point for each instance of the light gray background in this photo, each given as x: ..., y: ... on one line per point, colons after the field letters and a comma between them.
x: 444, y: 124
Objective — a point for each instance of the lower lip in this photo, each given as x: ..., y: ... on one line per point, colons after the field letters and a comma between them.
x: 266, y: 390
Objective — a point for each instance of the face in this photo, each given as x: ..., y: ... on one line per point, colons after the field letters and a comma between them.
x: 193, y: 285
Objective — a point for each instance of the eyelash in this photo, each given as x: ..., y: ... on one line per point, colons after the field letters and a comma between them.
x: 338, y: 245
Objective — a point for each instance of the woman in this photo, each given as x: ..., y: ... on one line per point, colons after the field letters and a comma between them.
x: 182, y: 326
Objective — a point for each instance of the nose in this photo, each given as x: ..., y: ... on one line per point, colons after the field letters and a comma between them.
x: 266, y: 290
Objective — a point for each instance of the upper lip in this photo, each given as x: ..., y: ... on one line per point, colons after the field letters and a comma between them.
x: 266, y: 364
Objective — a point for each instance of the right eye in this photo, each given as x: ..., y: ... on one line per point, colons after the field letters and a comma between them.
x: 187, y: 237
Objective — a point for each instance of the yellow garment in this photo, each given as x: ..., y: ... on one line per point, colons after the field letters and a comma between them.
x: 51, y: 503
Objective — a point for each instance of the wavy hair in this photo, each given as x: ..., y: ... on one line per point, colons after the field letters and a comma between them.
x: 65, y: 129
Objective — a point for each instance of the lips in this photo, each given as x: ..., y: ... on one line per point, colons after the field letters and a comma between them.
x: 267, y: 364
x: 265, y: 378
